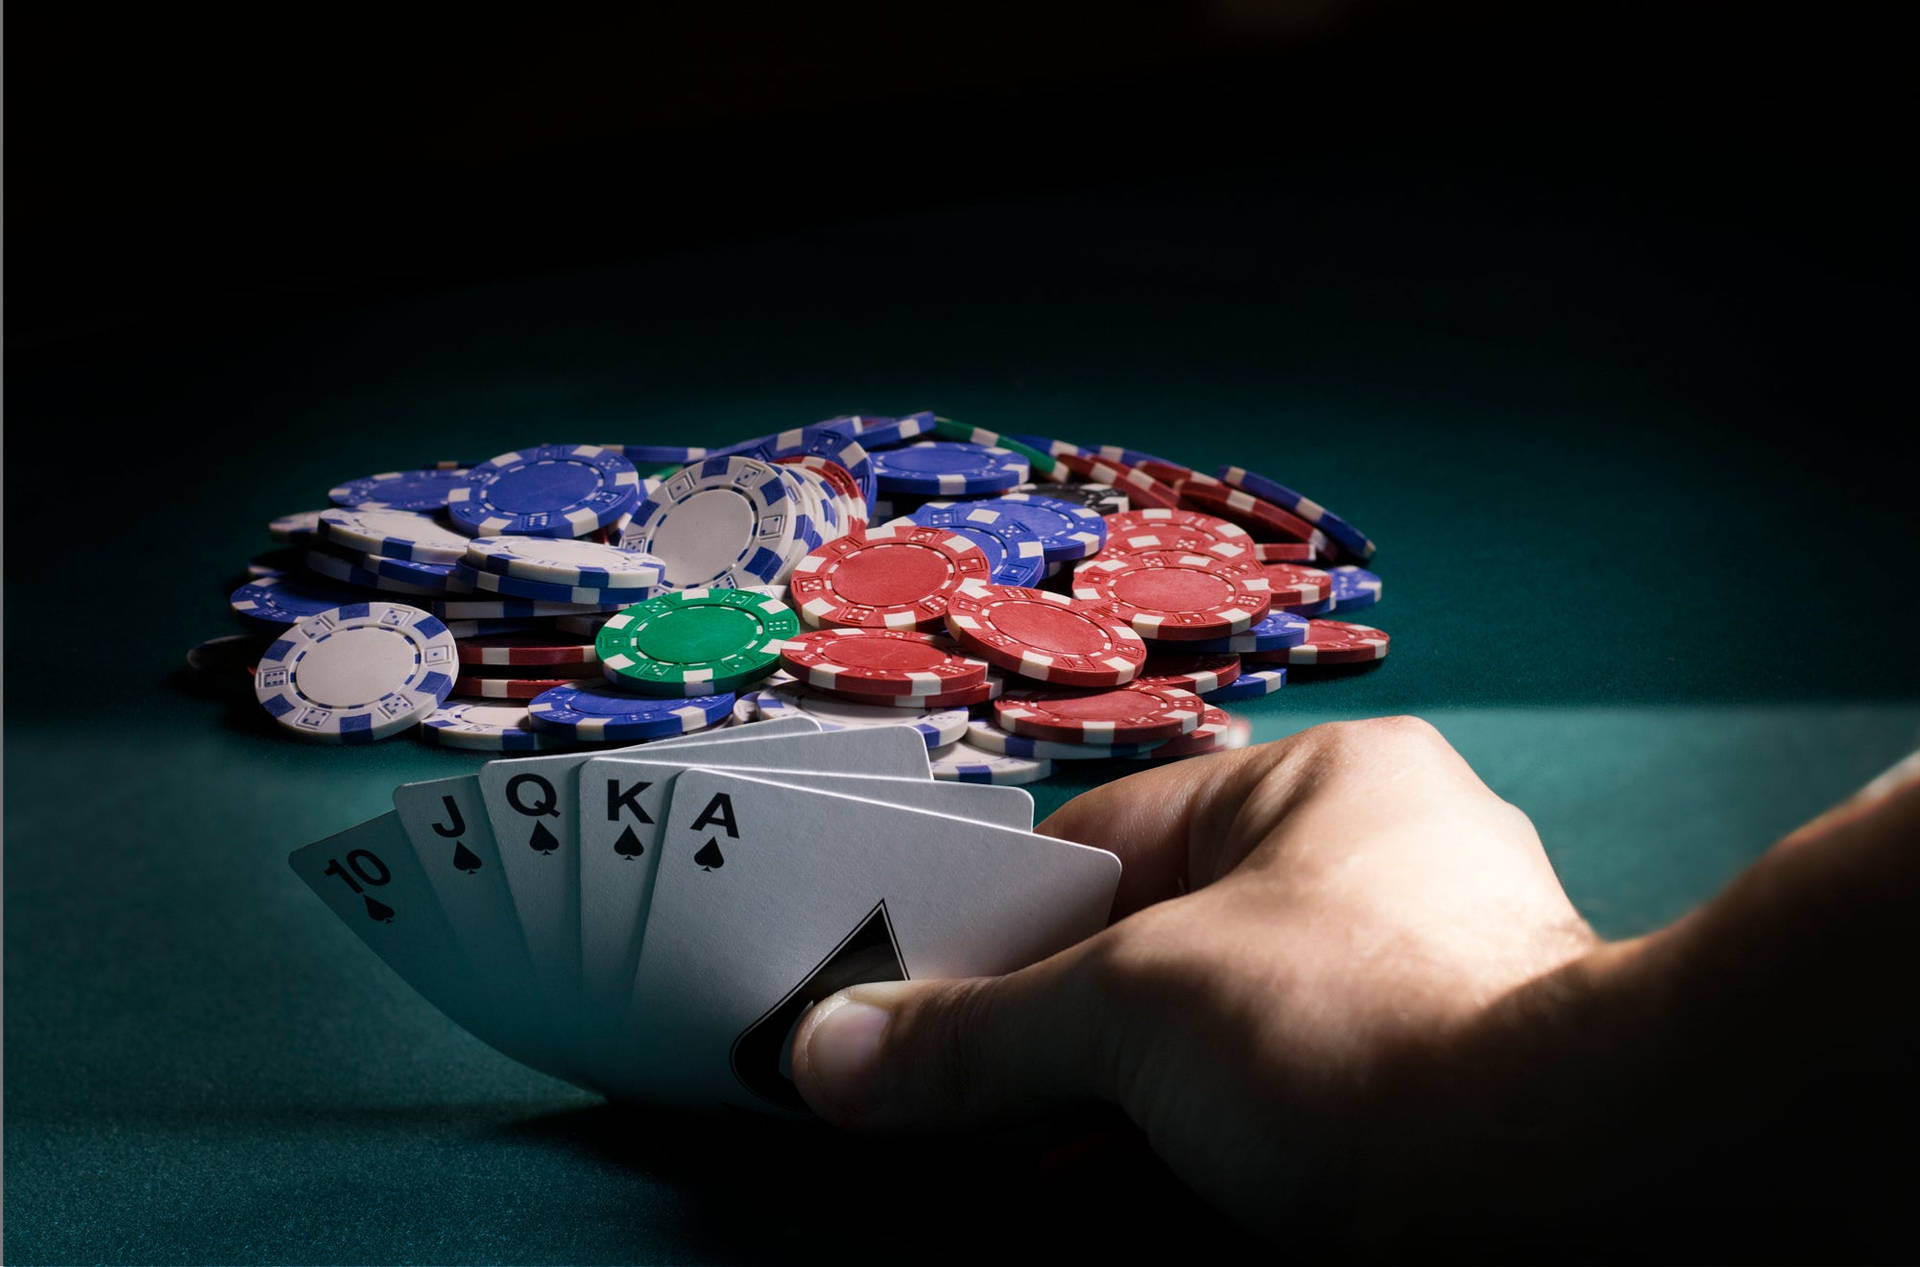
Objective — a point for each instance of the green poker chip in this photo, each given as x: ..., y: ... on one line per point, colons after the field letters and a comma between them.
x: 948, y: 429
x: 696, y: 641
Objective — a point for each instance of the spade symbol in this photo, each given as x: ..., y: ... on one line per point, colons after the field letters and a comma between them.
x: 629, y: 846
x: 465, y: 859
x: 759, y: 1057
x: 542, y: 840
x: 379, y: 912
x: 710, y: 858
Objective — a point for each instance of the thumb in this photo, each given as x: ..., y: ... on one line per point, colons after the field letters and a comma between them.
x: 921, y: 1054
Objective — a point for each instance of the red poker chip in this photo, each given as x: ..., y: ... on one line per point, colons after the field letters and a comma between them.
x: 881, y: 662
x: 1199, y: 672
x: 1176, y: 596
x: 1126, y: 714
x: 512, y: 650
x: 1339, y: 642
x: 840, y: 477
x: 1295, y: 585
x: 514, y: 687
x: 1043, y: 635
x: 991, y: 689
x: 1141, y: 489
x: 896, y: 577
x: 1218, y: 731
x: 1132, y: 531
x: 1285, y: 552
x: 1171, y: 474
x: 1258, y: 516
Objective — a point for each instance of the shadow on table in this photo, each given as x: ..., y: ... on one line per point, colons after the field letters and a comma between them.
x: 761, y: 1187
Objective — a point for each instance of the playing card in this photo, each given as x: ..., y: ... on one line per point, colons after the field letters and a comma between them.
x: 623, y: 799
x: 370, y: 878
x: 768, y: 898
x: 530, y: 805
x: 452, y: 842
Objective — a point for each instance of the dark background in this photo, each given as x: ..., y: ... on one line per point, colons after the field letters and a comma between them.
x: 1597, y: 317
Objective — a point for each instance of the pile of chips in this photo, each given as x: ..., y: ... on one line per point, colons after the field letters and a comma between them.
x: 1018, y: 600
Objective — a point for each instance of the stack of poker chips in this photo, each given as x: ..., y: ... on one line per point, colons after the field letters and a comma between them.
x: 1019, y: 600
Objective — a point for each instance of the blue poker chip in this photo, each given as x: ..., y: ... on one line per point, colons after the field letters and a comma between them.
x: 551, y: 490
x: 947, y: 467
x: 657, y: 454
x: 1273, y: 632
x: 487, y: 584
x: 1354, y: 588
x: 1308, y: 610
x: 591, y: 711
x: 891, y: 433
x: 335, y: 568
x: 1014, y: 551
x: 286, y: 600
x: 1067, y: 530
x: 398, y: 490
x: 1348, y: 537
x: 1251, y: 684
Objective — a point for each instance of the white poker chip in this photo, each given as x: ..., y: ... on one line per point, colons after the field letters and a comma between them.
x: 938, y: 726
x: 964, y: 763
x: 726, y: 522
x: 564, y: 561
x: 393, y: 534
x: 357, y: 673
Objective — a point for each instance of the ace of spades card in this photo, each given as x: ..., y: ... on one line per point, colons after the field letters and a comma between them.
x: 770, y: 897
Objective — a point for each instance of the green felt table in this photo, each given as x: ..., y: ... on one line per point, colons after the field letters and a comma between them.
x: 1632, y: 571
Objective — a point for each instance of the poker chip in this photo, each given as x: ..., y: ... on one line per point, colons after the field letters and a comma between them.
x: 392, y: 534
x: 1249, y: 684
x: 1052, y: 447
x: 858, y: 507
x: 490, y: 607
x: 334, y: 568
x: 690, y: 642
x: 1260, y: 517
x: 485, y: 628
x: 1066, y: 531
x: 398, y: 490
x: 1207, y: 737
x: 468, y: 579
x: 726, y: 521
x: 430, y: 578
x: 296, y: 529
x: 891, y: 433
x: 520, y: 688
x: 487, y: 727
x: 1116, y: 453
x: 839, y: 450
x: 563, y: 562
x: 1127, y: 714
x: 1175, y: 596
x: 596, y: 712
x: 357, y: 673
x: 964, y: 763
x: 938, y: 726
x: 227, y: 662
x: 947, y: 429
x: 1354, y: 588
x: 551, y: 490
x: 1172, y: 474
x: 1350, y: 539
x: 892, y: 577
x: 984, y: 734
x: 282, y: 600
x: 1043, y: 635
x: 527, y: 650
x: 1135, y: 531
x: 1199, y: 671
x: 1290, y: 584
x: 1103, y: 498
x: 1339, y: 642
x: 1015, y: 553
x: 1285, y: 552
x: 881, y: 662
x: 1272, y: 632
x: 1140, y: 489
x: 991, y: 689
x: 1310, y: 610
x: 657, y: 454
x: 934, y: 467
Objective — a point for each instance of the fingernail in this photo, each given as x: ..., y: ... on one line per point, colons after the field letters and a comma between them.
x: 843, y: 1050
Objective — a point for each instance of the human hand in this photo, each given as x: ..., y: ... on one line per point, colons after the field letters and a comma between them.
x: 1312, y: 939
